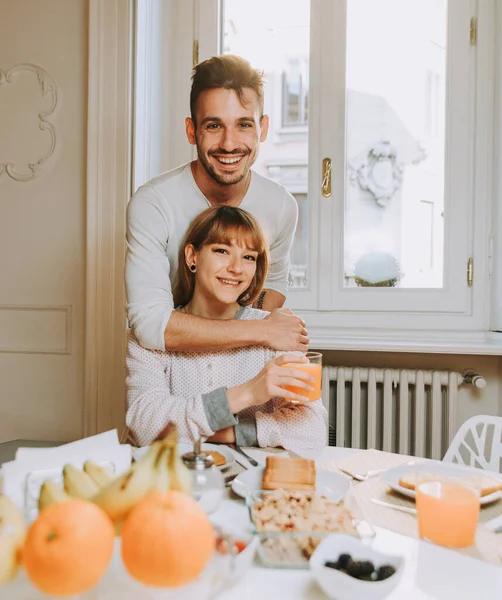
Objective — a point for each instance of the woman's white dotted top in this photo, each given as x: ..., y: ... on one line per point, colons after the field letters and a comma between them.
x: 179, y: 386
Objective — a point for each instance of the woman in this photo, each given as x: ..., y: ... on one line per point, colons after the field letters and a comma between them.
x: 225, y: 396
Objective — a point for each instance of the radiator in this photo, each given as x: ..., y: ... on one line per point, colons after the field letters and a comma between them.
x: 404, y: 411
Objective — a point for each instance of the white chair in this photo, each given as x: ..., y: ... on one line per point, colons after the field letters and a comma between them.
x: 478, y: 443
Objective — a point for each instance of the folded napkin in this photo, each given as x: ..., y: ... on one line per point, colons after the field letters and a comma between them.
x: 23, y: 476
x: 361, y: 462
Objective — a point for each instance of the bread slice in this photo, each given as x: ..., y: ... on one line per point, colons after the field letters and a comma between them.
x: 483, y: 483
x: 413, y: 478
x: 289, y: 474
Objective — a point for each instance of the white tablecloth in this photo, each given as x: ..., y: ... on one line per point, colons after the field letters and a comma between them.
x: 430, y: 572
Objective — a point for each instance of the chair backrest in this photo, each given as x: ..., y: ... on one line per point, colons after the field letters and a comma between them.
x: 478, y: 443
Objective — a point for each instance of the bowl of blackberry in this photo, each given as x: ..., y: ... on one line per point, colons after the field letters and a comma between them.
x: 346, y: 568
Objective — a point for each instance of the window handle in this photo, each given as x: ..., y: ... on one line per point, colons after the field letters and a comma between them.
x: 326, y: 177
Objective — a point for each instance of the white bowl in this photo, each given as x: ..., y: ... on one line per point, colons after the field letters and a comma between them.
x: 340, y: 586
x: 242, y: 561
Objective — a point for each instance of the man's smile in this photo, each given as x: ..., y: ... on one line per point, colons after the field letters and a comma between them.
x: 228, y: 160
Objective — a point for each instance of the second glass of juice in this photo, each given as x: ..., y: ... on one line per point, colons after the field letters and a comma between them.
x: 447, y: 513
x: 314, y: 369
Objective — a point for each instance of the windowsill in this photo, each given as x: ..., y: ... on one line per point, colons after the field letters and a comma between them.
x: 424, y: 342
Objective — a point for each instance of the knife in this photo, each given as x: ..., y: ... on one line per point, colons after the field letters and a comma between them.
x: 246, y: 456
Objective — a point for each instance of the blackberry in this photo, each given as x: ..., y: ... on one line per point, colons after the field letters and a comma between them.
x: 384, y: 572
x: 361, y: 569
x: 344, y: 560
x: 366, y: 567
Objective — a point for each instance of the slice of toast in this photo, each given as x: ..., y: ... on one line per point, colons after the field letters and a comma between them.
x: 483, y: 483
x: 289, y: 474
x: 413, y: 478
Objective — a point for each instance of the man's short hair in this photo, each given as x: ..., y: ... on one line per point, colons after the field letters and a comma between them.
x: 229, y: 72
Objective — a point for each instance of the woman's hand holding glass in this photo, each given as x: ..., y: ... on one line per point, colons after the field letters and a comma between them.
x: 270, y: 383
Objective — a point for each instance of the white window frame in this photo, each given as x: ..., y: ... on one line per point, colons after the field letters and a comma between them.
x: 495, y: 233
x: 439, y: 331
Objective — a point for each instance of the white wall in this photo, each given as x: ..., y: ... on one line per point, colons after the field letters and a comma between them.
x: 42, y: 220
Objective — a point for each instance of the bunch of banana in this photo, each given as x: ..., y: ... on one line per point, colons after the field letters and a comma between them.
x: 159, y: 470
x: 119, y: 496
x: 77, y: 483
x: 12, y: 535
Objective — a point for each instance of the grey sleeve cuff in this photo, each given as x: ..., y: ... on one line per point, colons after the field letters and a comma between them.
x: 217, y: 409
x: 245, y: 433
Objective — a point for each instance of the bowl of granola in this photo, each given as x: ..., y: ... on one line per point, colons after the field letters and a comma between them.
x: 291, y: 524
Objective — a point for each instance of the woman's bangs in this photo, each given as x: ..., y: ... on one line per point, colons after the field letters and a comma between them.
x: 244, y: 234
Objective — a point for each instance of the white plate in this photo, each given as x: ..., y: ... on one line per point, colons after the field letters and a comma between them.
x: 333, y: 485
x: 183, y: 448
x: 392, y: 477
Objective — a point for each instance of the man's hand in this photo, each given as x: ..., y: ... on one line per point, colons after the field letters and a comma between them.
x: 286, y: 331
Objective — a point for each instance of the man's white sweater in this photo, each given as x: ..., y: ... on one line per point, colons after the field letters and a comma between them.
x: 158, y: 216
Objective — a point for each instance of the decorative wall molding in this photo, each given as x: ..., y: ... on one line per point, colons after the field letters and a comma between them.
x: 108, y: 192
x: 377, y: 170
x: 49, y: 88
x: 35, y: 329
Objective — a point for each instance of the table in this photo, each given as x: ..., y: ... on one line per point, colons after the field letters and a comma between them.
x: 431, y: 572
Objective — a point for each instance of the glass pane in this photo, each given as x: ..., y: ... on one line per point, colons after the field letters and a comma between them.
x: 395, y: 140
x: 275, y: 37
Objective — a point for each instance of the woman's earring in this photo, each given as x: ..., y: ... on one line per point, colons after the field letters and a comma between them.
x: 193, y: 268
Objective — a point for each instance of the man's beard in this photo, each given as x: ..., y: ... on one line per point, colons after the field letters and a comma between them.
x: 230, y: 179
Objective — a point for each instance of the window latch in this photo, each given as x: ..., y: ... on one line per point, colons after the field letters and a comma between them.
x: 470, y: 272
x: 326, y: 177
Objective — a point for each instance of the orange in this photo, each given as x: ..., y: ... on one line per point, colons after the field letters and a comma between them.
x: 167, y: 540
x: 68, y: 548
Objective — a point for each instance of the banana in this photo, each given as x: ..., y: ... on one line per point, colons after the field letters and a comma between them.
x: 119, y: 496
x: 180, y: 476
x: 11, y: 520
x: 79, y: 484
x: 9, y: 557
x: 51, y: 492
x: 12, y: 535
x: 100, y: 475
x: 162, y: 477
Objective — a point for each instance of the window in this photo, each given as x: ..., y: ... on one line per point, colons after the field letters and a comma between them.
x: 405, y: 116
x: 295, y: 93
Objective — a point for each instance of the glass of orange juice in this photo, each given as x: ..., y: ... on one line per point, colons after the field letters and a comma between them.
x: 314, y: 369
x: 447, y: 513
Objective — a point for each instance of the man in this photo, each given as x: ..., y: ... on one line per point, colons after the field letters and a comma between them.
x: 226, y: 125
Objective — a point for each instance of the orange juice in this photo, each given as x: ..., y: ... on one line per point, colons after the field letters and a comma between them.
x: 447, y: 513
x: 314, y: 369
